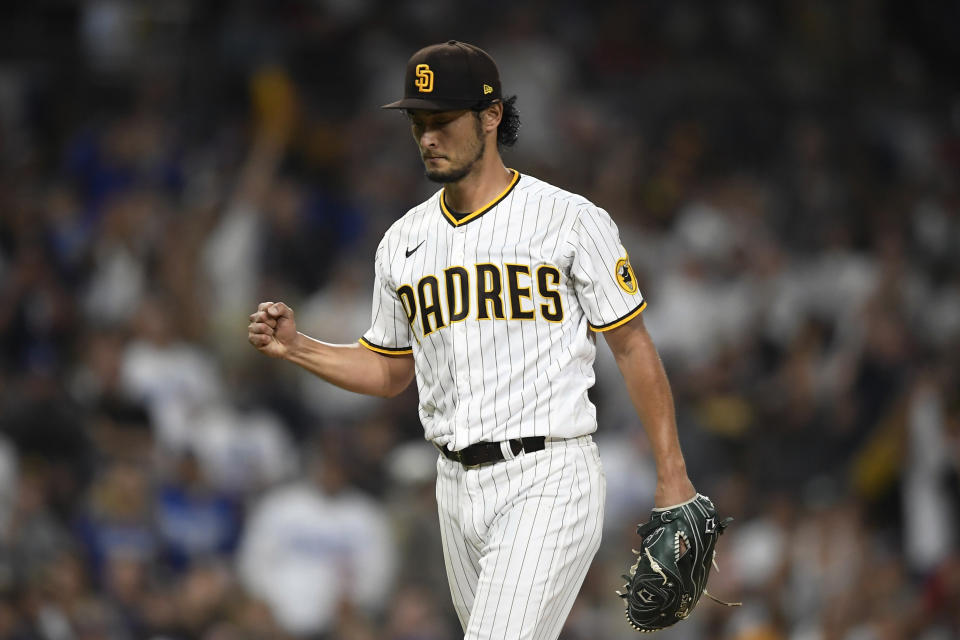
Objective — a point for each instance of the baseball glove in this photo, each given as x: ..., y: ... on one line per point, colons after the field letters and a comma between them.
x: 673, y: 564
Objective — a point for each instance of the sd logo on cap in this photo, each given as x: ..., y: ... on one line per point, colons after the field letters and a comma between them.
x: 424, y: 81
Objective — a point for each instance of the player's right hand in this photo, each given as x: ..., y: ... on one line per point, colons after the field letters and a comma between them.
x: 272, y: 329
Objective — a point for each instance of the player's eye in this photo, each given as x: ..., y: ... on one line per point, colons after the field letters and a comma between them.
x: 421, y: 123
x: 418, y: 127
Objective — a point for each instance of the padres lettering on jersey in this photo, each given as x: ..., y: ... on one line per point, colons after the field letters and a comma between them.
x: 499, y: 310
x: 485, y: 292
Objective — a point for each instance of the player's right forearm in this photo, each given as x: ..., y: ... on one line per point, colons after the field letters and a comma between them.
x: 352, y: 366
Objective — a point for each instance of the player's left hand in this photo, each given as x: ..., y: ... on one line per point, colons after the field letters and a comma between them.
x: 673, y: 564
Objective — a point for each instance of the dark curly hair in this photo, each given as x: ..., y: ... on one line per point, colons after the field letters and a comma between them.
x: 509, y: 128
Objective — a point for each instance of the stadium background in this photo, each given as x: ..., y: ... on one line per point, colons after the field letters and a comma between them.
x: 785, y: 175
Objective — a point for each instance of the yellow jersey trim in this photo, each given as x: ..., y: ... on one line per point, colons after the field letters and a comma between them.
x: 385, y: 350
x: 452, y: 219
x: 622, y: 321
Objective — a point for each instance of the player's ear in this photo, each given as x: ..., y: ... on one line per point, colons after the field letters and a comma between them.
x: 491, y: 116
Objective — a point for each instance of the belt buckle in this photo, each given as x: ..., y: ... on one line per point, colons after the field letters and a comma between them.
x: 458, y: 458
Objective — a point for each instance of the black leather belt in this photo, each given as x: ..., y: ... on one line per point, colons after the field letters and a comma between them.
x: 487, y: 452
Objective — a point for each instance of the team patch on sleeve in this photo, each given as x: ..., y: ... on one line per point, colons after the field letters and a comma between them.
x: 625, y: 276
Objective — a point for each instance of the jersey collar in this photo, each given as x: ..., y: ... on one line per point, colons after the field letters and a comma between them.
x: 452, y: 219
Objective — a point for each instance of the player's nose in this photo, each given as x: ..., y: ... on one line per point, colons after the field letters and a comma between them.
x: 428, y: 140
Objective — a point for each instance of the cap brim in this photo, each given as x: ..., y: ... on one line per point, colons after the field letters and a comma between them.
x: 430, y: 105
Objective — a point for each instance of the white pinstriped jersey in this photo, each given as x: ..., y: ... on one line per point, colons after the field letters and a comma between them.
x: 500, y: 310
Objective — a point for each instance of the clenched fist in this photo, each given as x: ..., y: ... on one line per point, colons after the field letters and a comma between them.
x: 272, y: 329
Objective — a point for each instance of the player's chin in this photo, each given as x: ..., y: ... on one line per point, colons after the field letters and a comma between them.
x: 444, y: 176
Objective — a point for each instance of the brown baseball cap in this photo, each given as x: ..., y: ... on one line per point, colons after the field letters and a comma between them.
x: 447, y: 76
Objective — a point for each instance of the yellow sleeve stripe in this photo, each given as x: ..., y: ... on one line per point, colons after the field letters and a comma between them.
x: 622, y: 321
x: 386, y: 350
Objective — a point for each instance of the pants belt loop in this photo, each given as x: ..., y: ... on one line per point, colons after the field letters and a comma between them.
x: 507, y: 450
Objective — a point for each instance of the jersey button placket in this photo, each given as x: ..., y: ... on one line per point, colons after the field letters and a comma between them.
x: 459, y: 329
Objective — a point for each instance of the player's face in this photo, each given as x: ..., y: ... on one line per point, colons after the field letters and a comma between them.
x: 451, y: 142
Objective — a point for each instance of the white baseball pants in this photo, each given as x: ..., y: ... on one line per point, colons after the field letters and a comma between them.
x: 518, y: 538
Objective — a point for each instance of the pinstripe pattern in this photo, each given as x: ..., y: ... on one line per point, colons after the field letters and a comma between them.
x: 519, y: 537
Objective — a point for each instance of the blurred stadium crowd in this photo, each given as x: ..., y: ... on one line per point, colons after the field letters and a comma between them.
x: 784, y: 174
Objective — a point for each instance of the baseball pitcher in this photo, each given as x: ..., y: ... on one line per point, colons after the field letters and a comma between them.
x: 491, y: 294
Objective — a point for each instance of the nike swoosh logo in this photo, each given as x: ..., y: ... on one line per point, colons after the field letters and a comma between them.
x: 410, y: 252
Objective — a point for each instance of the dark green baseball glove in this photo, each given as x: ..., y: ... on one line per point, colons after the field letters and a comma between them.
x: 673, y: 564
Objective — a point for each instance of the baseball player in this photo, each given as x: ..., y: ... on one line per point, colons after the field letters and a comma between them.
x: 491, y: 293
